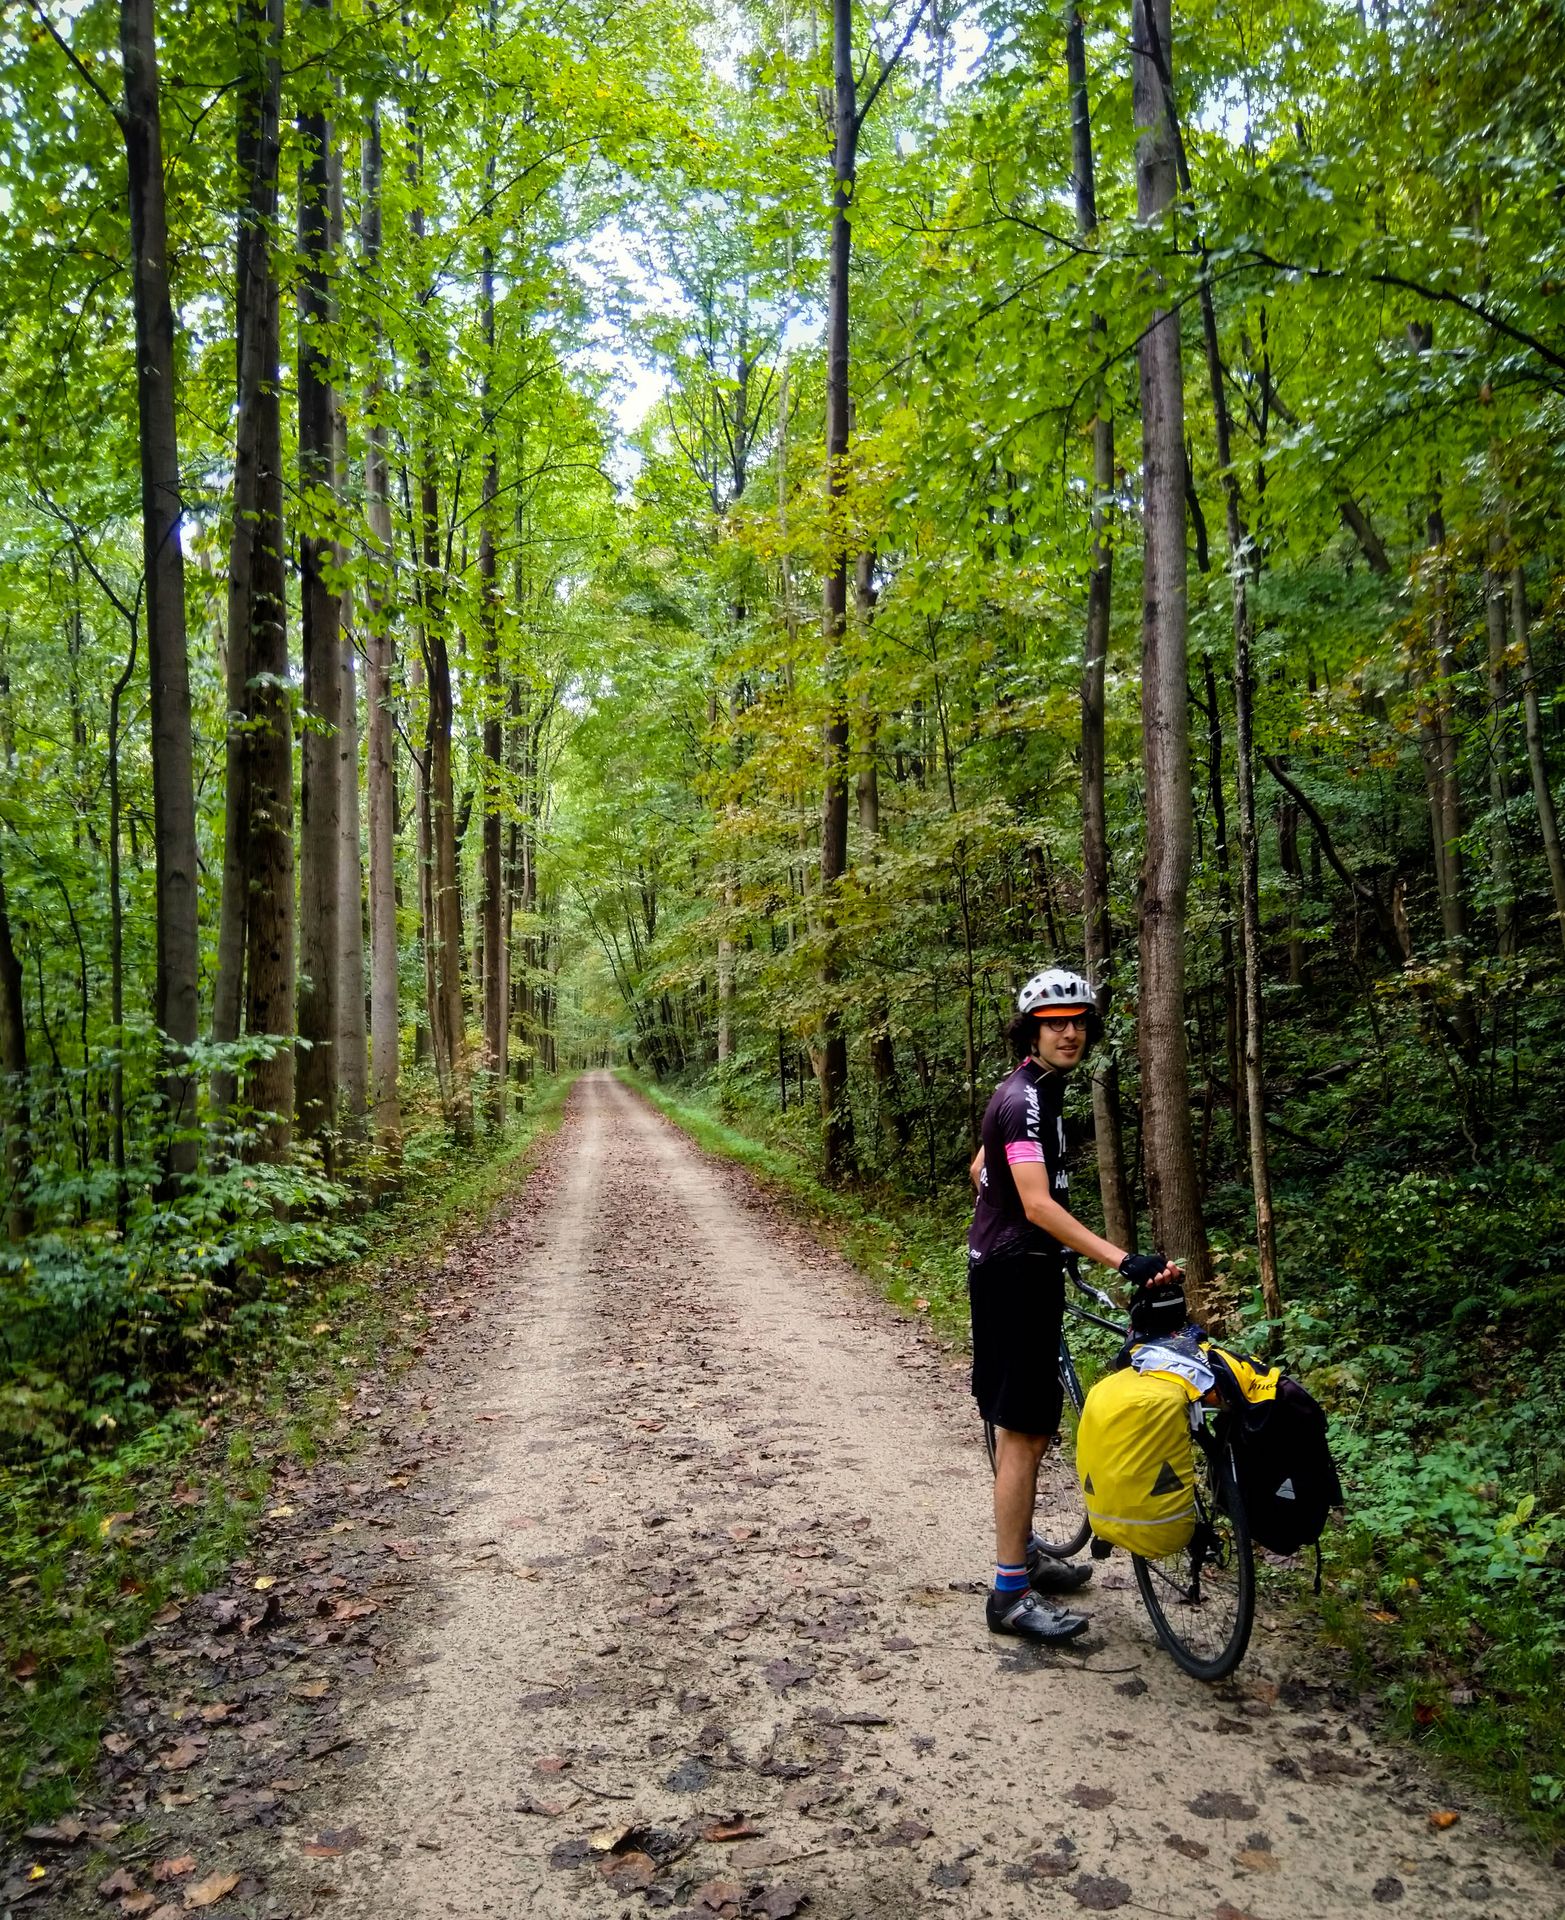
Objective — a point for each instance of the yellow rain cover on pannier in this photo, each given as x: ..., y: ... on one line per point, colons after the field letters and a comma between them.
x: 1136, y: 1462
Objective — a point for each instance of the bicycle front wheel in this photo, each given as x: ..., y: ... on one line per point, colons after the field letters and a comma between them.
x: 1202, y: 1599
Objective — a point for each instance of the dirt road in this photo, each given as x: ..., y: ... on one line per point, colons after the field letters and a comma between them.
x: 686, y: 1616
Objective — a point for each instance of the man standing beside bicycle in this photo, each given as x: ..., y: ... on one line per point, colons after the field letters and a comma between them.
x: 1021, y: 1238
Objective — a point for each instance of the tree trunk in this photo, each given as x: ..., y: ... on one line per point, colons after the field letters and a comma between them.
x: 320, y: 830
x: 176, y: 998
x: 1169, y: 1145
x: 1537, y: 763
x: 255, y: 302
x: 352, y: 1042
x: 352, y: 1037
x: 1119, y: 1219
x: 497, y: 986
x: 15, y: 1116
x: 831, y: 1059
x: 380, y: 654
x: 270, y: 973
x: 1240, y: 562
x: 1217, y: 799
x: 447, y: 1014
x: 1495, y: 588
x: 882, y: 1054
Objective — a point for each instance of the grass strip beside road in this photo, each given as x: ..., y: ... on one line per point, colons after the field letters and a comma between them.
x: 91, y: 1553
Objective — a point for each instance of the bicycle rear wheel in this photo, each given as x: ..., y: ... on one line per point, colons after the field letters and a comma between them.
x: 1202, y: 1599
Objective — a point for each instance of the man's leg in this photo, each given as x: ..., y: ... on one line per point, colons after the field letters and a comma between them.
x: 1013, y: 1607
x: 1017, y: 1457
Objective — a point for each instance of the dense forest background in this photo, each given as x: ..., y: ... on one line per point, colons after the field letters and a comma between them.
x: 721, y: 537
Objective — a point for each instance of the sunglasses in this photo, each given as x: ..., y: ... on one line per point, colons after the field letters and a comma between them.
x: 1063, y: 1022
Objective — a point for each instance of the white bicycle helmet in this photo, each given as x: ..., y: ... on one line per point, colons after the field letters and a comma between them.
x: 1057, y: 987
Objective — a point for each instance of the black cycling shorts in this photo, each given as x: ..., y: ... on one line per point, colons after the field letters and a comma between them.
x: 1018, y: 1305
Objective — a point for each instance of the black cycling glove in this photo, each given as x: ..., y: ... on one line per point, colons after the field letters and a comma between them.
x: 1142, y: 1268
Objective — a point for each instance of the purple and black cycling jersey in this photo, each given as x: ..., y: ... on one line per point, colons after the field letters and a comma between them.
x: 1023, y: 1121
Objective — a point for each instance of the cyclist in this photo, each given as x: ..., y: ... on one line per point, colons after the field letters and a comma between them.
x: 1021, y: 1238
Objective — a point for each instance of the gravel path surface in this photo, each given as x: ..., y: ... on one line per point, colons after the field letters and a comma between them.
x: 703, y: 1634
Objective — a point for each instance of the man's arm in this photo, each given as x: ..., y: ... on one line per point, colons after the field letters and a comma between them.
x: 976, y: 1169
x: 1043, y: 1210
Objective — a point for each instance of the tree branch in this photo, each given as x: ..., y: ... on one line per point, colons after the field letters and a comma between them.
x: 77, y: 62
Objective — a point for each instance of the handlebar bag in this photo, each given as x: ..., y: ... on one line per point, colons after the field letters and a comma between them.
x: 1136, y: 1462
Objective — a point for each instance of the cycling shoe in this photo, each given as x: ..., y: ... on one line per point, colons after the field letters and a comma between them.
x: 1027, y: 1617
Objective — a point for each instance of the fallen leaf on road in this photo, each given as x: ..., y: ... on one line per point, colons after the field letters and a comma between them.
x: 549, y: 1809
x: 952, y: 1873
x: 1257, y: 1860
x: 117, y: 1743
x: 1227, y: 1912
x: 906, y: 1833
x: 570, y: 1853
x: 1191, y: 1849
x: 207, y: 1893
x: 64, y: 1833
x: 174, y: 1869
x: 167, y: 1616
x: 119, y: 1881
x: 553, y: 1763
x: 1443, y: 1817
x: 138, y: 1903
x: 1221, y: 1806
x: 609, y: 1839
x: 629, y: 1872
x: 778, y: 1903
x: 312, y: 1690
x: 111, y: 1524
x: 739, y: 1829
x: 354, y: 1609
x: 717, y: 1893
x: 1100, y: 1895
x: 185, y: 1754
x: 329, y: 1843
x: 1092, y: 1797
x: 782, y: 1674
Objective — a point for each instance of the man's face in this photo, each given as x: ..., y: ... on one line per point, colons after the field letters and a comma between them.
x: 1062, y: 1037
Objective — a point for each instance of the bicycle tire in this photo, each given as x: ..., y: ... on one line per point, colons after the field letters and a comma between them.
x: 1059, y: 1517
x: 1202, y: 1599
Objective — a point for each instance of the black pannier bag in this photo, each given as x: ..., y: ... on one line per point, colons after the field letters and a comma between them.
x: 1287, y: 1477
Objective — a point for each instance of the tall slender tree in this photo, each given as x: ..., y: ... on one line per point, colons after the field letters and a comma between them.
x: 1168, y: 1143
x: 1097, y: 924
x: 380, y: 646
x: 320, y: 827
x: 176, y: 998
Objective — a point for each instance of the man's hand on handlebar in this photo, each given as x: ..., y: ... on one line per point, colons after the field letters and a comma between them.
x: 1150, y: 1270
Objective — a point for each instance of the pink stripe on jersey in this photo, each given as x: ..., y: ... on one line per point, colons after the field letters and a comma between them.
x: 1019, y: 1150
